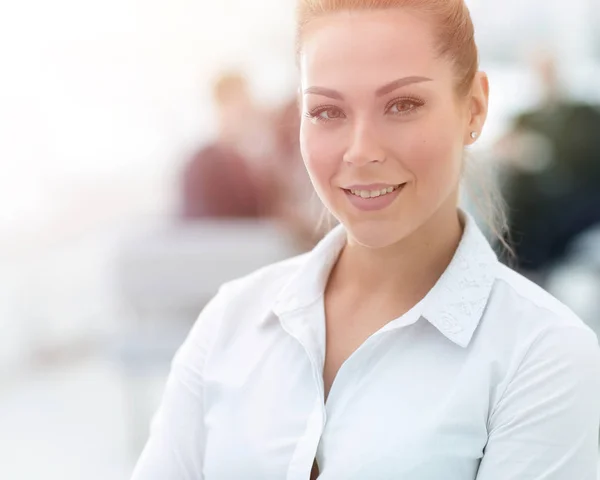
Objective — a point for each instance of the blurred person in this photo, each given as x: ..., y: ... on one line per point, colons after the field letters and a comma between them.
x: 246, y: 171
x: 399, y: 347
x: 552, y: 174
x: 222, y: 178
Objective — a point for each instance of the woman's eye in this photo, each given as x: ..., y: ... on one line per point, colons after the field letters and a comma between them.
x: 326, y: 114
x: 403, y: 107
x: 330, y: 113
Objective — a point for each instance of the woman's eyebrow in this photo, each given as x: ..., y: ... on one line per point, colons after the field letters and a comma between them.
x: 401, y: 82
x: 381, y: 91
x: 326, y: 92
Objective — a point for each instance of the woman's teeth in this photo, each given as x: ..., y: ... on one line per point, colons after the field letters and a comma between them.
x: 374, y: 193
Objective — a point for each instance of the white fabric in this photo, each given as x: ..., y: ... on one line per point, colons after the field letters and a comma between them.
x: 487, y: 378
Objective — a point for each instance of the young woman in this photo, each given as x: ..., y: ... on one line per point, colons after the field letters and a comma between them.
x: 399, y: 347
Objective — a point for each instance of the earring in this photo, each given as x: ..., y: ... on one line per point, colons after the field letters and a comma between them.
x: 473, y: 135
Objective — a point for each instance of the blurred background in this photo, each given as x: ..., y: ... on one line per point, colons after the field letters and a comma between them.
x: 149, y: 153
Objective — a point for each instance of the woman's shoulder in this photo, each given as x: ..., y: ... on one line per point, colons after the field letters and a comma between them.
x: 237, y: 306
x: 520, y: 314
x: 524, y: 295
x: 537, y: 344
x: 263, y: 284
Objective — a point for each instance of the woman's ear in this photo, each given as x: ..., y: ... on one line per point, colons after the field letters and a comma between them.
x: 478, y: 107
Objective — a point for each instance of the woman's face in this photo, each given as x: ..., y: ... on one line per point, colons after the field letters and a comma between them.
x: 380, y: 120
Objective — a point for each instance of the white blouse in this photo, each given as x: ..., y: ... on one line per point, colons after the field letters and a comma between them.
x: 487, y: 378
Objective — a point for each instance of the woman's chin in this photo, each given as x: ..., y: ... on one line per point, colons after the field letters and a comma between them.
x: 375, y: 234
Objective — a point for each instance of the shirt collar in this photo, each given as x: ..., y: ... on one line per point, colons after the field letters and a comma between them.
x: 454, y: 305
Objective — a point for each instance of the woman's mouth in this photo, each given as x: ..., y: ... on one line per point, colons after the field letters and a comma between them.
x: 374, y: 193
x: 373, y: 197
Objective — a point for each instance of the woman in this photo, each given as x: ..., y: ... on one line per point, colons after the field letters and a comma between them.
x: 399, y: 347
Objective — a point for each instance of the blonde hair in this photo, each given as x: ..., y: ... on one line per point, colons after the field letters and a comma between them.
x: 455, y: 41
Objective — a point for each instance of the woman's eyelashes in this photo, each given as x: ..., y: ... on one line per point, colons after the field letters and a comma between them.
x: 325, y: 113
x: 404, y: 106
x: 398, y: 107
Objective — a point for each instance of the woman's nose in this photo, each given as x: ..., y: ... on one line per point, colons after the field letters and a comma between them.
x: 364, y: 147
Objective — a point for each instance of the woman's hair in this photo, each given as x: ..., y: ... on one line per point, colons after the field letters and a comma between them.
x: 455, y: 41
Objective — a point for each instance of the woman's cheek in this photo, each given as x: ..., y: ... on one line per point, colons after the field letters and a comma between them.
x: 431, y: 162
x: 318, y: 156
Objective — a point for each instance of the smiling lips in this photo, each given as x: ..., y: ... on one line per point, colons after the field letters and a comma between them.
x: 370, y: 192
x: 373, y: 197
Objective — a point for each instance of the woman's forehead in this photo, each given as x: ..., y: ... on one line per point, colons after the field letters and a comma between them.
x: 382, y: 45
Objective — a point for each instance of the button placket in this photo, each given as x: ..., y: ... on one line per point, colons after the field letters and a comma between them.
x: 304, y: 455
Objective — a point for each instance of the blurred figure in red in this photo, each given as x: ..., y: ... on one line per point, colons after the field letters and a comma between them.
x: 223, y: 179
x: 253, y: 169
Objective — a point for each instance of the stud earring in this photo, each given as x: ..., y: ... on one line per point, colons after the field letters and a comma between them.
x: 473, y: 135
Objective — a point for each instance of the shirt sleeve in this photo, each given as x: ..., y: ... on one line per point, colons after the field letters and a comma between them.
x: 175, y: 448
x: 546, y: 425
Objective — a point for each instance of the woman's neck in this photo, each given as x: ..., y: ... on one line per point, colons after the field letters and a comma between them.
x: 408, y: 269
